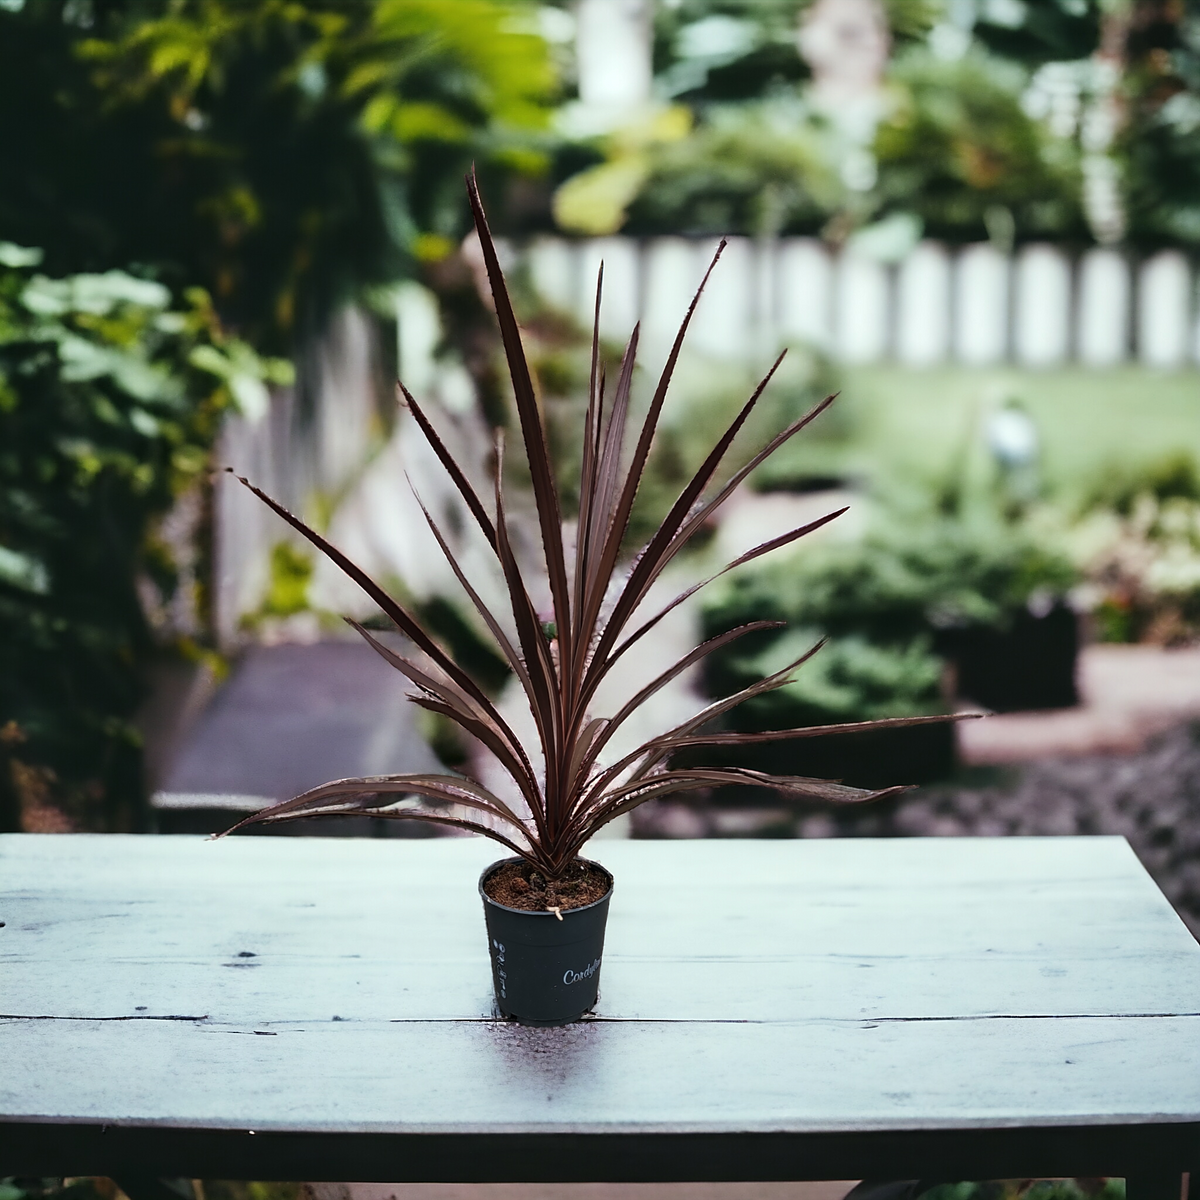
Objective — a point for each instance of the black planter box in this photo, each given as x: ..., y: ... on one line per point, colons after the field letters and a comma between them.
x: 1029, y: 665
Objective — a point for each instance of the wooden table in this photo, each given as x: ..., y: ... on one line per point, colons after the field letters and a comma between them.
x: 303, y: 1008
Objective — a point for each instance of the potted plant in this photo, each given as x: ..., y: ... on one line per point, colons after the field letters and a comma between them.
x: 545, y: 906
x: 922, y: 591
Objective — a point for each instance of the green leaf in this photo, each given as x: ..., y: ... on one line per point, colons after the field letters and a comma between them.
x: 98, y: 294
x: 12, y: 255
x: 23, y: 571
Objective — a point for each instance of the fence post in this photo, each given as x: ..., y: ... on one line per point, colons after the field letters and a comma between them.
x: 722, y: 324
x: 621, y: 305
x: 1043, y: 306
x: 981, y: 304
x: 861, y: 308
x: 344, y: 385
x: 554, y: 274
x: 923, y: 306
x: 670, y: 273
x: 1163, y: 302
x: 1195, y: 320
x: 244, y: 529
x: 1102, y: 309
x: 765, y: 341
x: 804, y: 292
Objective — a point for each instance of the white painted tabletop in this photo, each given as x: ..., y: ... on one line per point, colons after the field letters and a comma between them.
x: 768, y: 1009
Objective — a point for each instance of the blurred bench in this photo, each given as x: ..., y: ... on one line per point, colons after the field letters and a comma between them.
x: 289, y: 718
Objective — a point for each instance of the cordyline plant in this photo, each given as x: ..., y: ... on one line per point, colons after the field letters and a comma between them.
x: 560, y: 663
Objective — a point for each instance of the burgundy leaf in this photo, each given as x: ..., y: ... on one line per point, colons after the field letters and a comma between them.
x: 545, y: 488
x: 468, y: 493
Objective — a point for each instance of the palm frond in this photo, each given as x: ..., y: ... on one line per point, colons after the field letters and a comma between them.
x: 560, y: 666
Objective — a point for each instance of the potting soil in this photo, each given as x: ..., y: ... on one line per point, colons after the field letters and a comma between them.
x: 519, y: 885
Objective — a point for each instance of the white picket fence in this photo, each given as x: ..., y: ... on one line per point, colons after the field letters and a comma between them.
x: 973, y: 305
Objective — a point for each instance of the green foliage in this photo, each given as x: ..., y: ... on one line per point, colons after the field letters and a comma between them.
x: 1043, y: 31
x: 850, y: 679
x: 281, y: 154
x: 1161, y: 141
x: 720, y: 51
x: 109, y: 401
x: 291, y: 573
x: 908, y: 575
x: 714, y: 52
x: 1174, y: 476
x: 714, y: 394
x: 758, y: 168
x: 468, y: 646
x: 880, y: 601
x: 955, y: 153
x: 955, y: 149
x: 1138, y: 543
x: 958, y: 150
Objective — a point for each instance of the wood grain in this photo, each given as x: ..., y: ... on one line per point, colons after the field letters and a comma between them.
x: 879, y: 990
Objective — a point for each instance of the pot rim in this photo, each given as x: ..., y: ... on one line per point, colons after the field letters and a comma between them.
x: 531, y: 912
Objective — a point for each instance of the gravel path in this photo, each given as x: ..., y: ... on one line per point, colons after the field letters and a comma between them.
x: 1151, y: 797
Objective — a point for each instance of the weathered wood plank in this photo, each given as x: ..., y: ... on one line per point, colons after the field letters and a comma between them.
x: 1024, y: 989
x: 604, y: 1076
x: 243, y: 931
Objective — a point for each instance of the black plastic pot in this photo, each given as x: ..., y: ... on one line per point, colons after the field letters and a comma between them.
x: 1030, y: 665
x: 546, y: 971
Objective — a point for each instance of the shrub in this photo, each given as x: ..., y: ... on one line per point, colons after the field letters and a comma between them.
x: 109, y: 402
x: 880, y: 602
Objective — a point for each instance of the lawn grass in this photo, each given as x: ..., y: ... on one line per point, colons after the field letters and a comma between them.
x: 915, y: 423
x: 903, y: 425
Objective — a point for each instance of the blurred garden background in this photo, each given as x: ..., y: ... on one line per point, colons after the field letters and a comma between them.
x: 227, y: 225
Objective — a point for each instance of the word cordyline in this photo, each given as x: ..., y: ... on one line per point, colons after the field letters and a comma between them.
x: 561, y: 663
